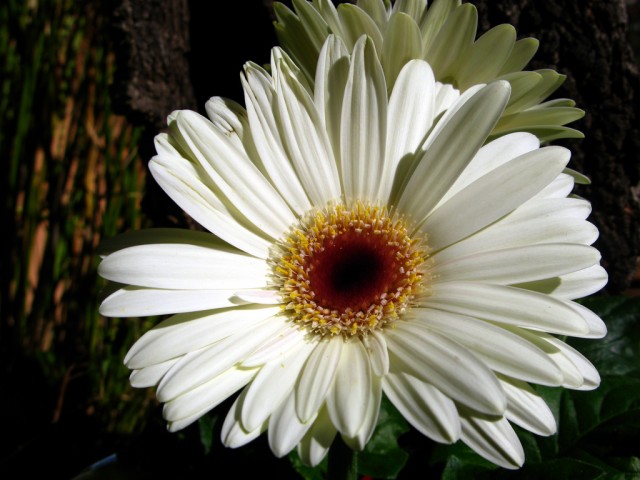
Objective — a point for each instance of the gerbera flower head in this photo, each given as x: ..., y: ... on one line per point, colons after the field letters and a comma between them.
x: 445, y: 36
x: 360, y: 243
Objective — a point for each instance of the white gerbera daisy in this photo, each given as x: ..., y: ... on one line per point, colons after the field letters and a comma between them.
x: 445, y: 36
x: 356, y: 248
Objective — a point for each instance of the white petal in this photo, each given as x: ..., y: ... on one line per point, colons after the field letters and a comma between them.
x: 597, y: 328
x: 518, y: 265
x: 185, y: 186
x: 306, y: 140
x: 358, y: 441
x: 202, y: 366
x: 448, y: 366
x: 208, y: 395
x: 315, y: 444
x: 495, y: 440
x: 545, y: 222
x: 446, y: 97
x: 410, y: 115
x: 451, y: 148
x: 347, y: 402
x: 234, y: 173
x: 184, y: 267
x: 317, y: 377
x: 188, y: 332
x: 259, y: 98
x: 578, y: 372
x: 363, y: 123
x: 263, y: 297
x: 376, y: 347
x: 559, y: 188
x: 589, y: 376
x: 232, y: 434
x: 527, y: 409
x: 500, y: 349
x: 572, y: 285
x: 230, y: 118
x: 502, y: 190
x: 331, y: 78
x: 276, y: 347
x: 285, y: 429
x: 150, y: 376
x: 432, y: 413
x: 493, y: 155
x: 272, y: 384
x: 141, y: 302
x: 508, y: 305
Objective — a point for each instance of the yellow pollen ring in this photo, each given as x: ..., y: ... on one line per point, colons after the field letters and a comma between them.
x: 293, y: 261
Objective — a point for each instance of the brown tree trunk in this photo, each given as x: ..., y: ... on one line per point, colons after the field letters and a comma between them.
x: 584, y: 39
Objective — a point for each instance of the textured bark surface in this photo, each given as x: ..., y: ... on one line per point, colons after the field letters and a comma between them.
x: 152, y: 42
x: 584, y: 39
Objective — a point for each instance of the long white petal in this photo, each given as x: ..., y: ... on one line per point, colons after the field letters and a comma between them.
x: 234, y: 173
x: 285, y: 428
x: 188, y: 332
x: 347, y: 402
x: 141, y: 302
x: 508, y: 305
x: 316, y: 379
x: 208, y: 395
x: 451, y: 150
x: 331, y: 78
x: 433, y: 358
x: 259, y: 98
x: 526, y: 408
x: 493, y: 155
x: 185, y: 186
x: 502, y: 190
x: 518, y: 265
x: 306, y: 140
x: 410, y: 115
x: 201, y: 366
x: 495, y: 440
x: 363, y: 123
x: 426, y: 408
x: 376, y: 347
x: 150, y: 376
x: 572, y: 285
x: 501, y: 350
x: 315, y: 444
x: 232, y: 434
x: 358, y: 441
x: 184, y: 267
x: 272, y: 384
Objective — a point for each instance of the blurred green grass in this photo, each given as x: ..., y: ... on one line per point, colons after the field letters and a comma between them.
x: 71, y: 177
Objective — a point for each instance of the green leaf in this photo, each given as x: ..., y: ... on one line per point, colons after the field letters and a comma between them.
x: 383, y: 457
x: 206, y: 425
x: 306, y: 472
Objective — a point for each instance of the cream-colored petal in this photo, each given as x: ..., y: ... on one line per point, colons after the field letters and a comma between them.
x: 188, y: 332
x: 433, y: 358
x: 426, y: 408
x: 347, y: 401
x: 317, y: 377
x: 184, y: 266
x: 363, y: 124
x: 495, y: 440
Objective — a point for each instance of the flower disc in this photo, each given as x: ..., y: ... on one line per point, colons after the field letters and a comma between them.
x: 349, y: 270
